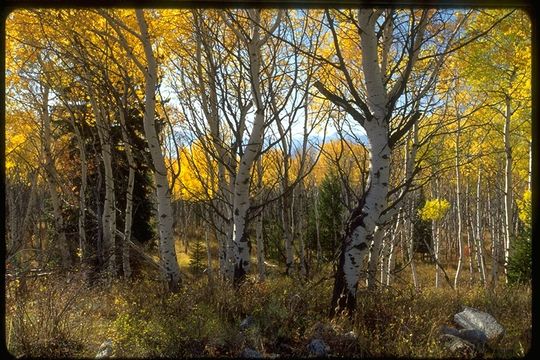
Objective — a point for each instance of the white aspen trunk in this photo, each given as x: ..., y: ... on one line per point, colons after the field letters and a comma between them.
x: 287, y: 206
x: 260, y: 247
x: 362, y: 222
x: 300, y: 233
x: 392, y: 252
x: 209, y: 100
x: 83, y: 245
x: 458, y: 204
x: 128, y: 216
x: 108, y: 218
x: 436, y: 247
x: 385, y: 245
x: 241, y: 201
x: 377, y: 111
x: 508, y: 184
x: 479, y: 232
x: 407, y: 221
x: 470, y: 236
x: 317, y: 228
x: 167, y: 249
x: 494, y: 242
x: 51, y: 175
x: 437, y: 239
x: 259, y: 229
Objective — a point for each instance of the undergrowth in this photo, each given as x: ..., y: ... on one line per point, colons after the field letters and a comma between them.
x: 52, y: 317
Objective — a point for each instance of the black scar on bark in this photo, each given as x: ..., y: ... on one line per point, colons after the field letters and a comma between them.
x: 385, y: 156
x: 244, y: 238
x: 342, y: 298
x: 236, y: 212
x: 361, y: 246
x: 239, y: 275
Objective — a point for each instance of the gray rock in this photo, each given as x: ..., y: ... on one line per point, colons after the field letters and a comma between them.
x: 446, y: 330
x: 457, y: 345
x: 472, y: 319
x: 472, y: 336
x: 251, y: 354
x: 351, y: 335
x: 318, y: 347
x: 247, y: 322
x: 105, y: 350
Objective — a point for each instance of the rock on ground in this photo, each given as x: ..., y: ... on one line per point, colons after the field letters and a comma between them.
x: 105, y: 350
x: 457, y: 345
x: 246, y: 323
x: 318, y: 347
x: 472, y: 319
x: 250, y: 354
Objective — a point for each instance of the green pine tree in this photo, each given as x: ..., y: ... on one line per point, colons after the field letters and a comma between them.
x: 197, y: 260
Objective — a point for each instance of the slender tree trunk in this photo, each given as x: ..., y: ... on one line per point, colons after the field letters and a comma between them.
x: 51, y: 175
x: 128, y: 216
x: 287, y: 232
x: 479, y: 232
x: 300, y: 231
x: 108, y: 216
x: 392, y: 251
x: 494, y: 243
x: 163, y: 194
x: 17, y: 222
x: 241, y: 201
x: 470, y: 236
x: 458, y: 204
x: 259, y: 229
x: 508, y: 181
x: 317, y: 228
x: 83, y: 245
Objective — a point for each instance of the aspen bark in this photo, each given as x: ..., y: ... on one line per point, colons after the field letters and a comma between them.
x: 128, y: 215
x: 508, y: 184
x: 458, y: 203
x: 108, y: 216
x: 51, y: 175
x: 163, y: 194
x: 378, y: 107
x: 362, y: 221
x: 259, y: 229
x: 241, y: 201
x: 479, y: 233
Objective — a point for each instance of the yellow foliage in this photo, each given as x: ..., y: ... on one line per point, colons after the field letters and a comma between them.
x: 525, y: 208
x: 434, y: 209
x: 197, y: 174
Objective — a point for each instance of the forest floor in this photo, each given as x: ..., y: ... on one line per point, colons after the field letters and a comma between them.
x: 61, y: 316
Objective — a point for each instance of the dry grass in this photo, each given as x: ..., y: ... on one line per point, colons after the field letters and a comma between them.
x: 55, y: 318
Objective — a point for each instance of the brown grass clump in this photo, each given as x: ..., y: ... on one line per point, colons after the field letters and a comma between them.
x: 51, y: 317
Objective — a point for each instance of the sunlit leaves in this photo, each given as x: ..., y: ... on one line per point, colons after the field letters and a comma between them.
x: 434, y: 209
